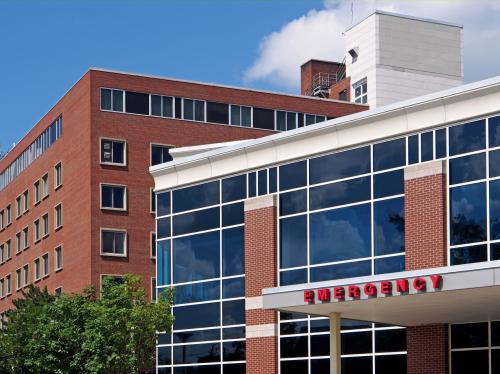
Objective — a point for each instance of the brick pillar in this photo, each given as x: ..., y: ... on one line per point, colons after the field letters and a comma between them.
x: 260, y: 272
x: 425, y: 244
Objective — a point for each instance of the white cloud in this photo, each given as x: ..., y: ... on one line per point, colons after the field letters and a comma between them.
x: 318, y: 34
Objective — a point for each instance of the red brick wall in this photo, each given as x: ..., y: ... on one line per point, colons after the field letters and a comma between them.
x: 262, y: 356
x: 310, y: 69
x: 337, y: 89
x: 427, y: 349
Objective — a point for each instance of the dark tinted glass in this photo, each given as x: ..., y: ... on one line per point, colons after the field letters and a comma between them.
x: 390, y: 340
x: 495, y: 210
x: 233, y: 351
x: 168, y: 107
x: 389, y: 264
x: 195, y: 292
x: 163, y: 227
x: 340, y: 193
x: 340, y: 234
x: 291, y: 120
x: 320, y: 366
x: 293, y: 328
x: 339, y: 165
x: 105, y: 99
x: 196, y: 196
x: 217, y: 112
x: 440, y: 143
x: 348, y: 270
x: 199, y: 110
x: 118, y: 100
x: 196, y: 353
x: 199, y: 220
x: 413, y: 149
x: 164, y: 339
x: 234, y: 368
x: 205, y: 369
x: 467, y: 168
x: 262, y: 182
x: 196, y: 257
x: 495, y: 251
x: 388, y: 184
x: 118, y: 152
x: 467, y: 137
x: 293, y: 277
x: 293, y: 241
x: 107, y: 196
x: 300, y: 120
x: 357, y: 365
x: 295, y: 366
x: 234, y: 188
x: 178, y: 107
x: 319, y: 325
x: 196, y: 316
x: 294, y: 346
x: 495, y: 361
x: 233, y: 287
x: 273, y: 182
x: 427, y: 146
x: 293, y: 202
x: 188, y: 109
x: 467, y: 255
x: 389, y: 154
x: 263, y: 118
x: 390, y: 364
x: 163, y: 262
x: 495, y: 334
x: 164, y: 356
x: 356, y: 342
x: 196, y: 336
x: 320, y: 345
x: 233, y: 259
x: 252, y: 184
x: 289, y: 316
x: 467, y: 362
x: 136, y: 102
x: 293, y: 175
x: 155, y: 105
x: 280, y: 120
x: 469, y: 335
x: 234, y: 332
x: 389, y: 226
x: 494, y: 163
x: 310, y: 119
x: 468, y: 214
x: 162, y: 204
x: 351, y: 324
x: 233, y: 312
x: 494, y: 131
x: 232, y: 214
x: 235, y: 115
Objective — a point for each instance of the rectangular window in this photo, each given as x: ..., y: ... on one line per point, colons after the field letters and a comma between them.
x: 38, y: 270
x: 36, y: 192
x: 153, y: 289
x: 263, y: 118
x: 113, y: 152
x: 19, y: 210
x: 26, y: 275
x: 45, y: 264
x: 155, y: 105
x: 167, y: 109
x: 2, y: 219
x: 2, y: 253
x: 113, y: 242
x: 45, y: 186
x: 111, y: 100
x: 152, y: 204
x: 360, y: 92
x: 8, y: 214
x: 2, y: 290
x: 153, y: 245
x: 18, y: 279
x: 26, y: 201
x: 8, y: 284
x: 37, y: 232
x: 18, y: 243
x: 160, y: 154
x: 58, y: 218
x: 26, y: 242
x: 58, y: 291
x: 113, y: 197
x: 8, y: 250
x: 194, y: 110
x: 45, y: 225
x: 58, y: 255
x: 136, y: 103
x: 217, y: 113
x: 58, y: 180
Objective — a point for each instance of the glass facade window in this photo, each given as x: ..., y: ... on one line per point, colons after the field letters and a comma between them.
x: 160, y: 154
x: 218, y: 113
x: 113, y: 151
x: 136, y: 103
x: 263, y: 118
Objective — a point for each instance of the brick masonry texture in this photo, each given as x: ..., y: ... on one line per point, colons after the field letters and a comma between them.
x: 260, y: 358
x: 427, y: 349
x: 425, y: 241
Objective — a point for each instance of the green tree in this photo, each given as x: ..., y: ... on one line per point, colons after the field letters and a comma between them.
x: 83, y: 333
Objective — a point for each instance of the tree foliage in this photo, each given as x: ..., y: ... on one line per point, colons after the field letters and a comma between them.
x: 84, y: 333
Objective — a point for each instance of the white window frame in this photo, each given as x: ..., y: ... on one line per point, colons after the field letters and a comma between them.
x: 37, y: 273
x: 25, y: 197
x: 45, y: 265
x: 37, y: 192
x: 25, y: 238
x: 58, y: 223
x: 125, y: 196
x: 58, y: 259
x: 124, y: 151
x: 8, y: 279
x: 125, y: 242
x: 45, y: 233
x: 37, y: 232
x: 58, y: 175
x: 364, y: 94
x: 170, y: 146
x: 44, y: 183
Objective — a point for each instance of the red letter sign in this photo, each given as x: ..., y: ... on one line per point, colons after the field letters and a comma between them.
x: 370, y: 290
x: 354, y: 291
x: 309, y: 296
x: 386, y: 288
x: 339, y: 293
x: 324, y: 294
x: 436, y: 281
x: 402, y: 285
x: 419, y: 284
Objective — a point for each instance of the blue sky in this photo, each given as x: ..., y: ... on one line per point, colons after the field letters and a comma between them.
x: 45, y: 46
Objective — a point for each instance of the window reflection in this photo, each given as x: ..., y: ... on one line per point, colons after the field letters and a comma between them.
x: 467, y: 137
x: 467, y: 168
x: 339, y: 193
x: 233, y: 260
x: 389, y: 226
x: 389, y: 154
x: 293, y: 241
x: 468, y: 213
x: 340, y: 271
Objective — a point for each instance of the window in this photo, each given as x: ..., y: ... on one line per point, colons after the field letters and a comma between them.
x: 26, y: 243
x: 136, y: 103
x: 160, y: 154
x: 241, y: 115
x: 263, y: 118
x: 26, y: 275
x: 25, y: 201
x: 152, y: 204
x: 113, y: 152
x: 8, y: 285
x: 2, y: 219
x: 286, y: 120
x: 58, y: 180
x: 194, y: 110
x: 58, y: 291
x: 45, y: 264
x: 8, y: 250
x: 116, y: 279
x: 8, y: 213
x: 36, y: 192
x: 153, y: 245
x: 343, y: 95
x: 217, y: 113
x: 38, y: 271
x: 58, y: 256
x: 45, y: 225
x: 113, y: 197
x: 58, y: 218
x: 18, y: 243
x: 2, y: 253
x: 113, y: 242
x: 111, y: 100
x: 37, y: 235
x: 162, y: 106
x: 2, y: 291
x: 45, y: 186
x: 19, y: 211
x: 153, y: 289
x: 360, y: 92
x: 18, y: 279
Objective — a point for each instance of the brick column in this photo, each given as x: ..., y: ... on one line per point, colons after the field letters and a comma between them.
x: 425, y: 244
x: 260, y: 272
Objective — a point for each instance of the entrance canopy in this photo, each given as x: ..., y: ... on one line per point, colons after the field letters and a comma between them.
x: 458, y: 294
